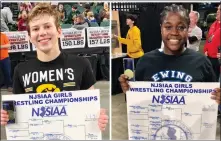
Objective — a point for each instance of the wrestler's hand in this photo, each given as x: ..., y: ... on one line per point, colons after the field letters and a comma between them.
x: 4, y: 117
x: 216, y: 95
x: 102, y: 120
x: 124, y: 82
x: 206, y: 53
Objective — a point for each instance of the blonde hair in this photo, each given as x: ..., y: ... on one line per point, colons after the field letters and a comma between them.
x: 197, y: 14
x: 42, y: 9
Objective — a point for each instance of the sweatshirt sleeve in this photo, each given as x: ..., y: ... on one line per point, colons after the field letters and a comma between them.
x: 134, y: 41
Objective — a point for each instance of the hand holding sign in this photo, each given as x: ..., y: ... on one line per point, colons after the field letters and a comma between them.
x: 4, y: 117
x: 124, y: 82
x: 103, y: 120
x: 216, y: 95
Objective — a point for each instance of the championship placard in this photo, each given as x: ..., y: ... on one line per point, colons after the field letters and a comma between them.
x: 72, y: 38
x: 19, y: 41
x: 98, y: 36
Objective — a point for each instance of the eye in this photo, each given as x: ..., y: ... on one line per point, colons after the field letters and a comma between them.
x: 35, y: 29
x: 181, y: 28
x: 168, y: 27
x: 47, y: 26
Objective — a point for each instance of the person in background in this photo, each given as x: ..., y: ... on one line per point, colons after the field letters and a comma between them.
x: 212, y: 44
x: 132, y: 40
x: 72, y: 16
x: 194, y: 32
x: 5, y: 64
x: 87, y: 8
x: 25, y: 6
x: 6, y: 17
x: 22, y: 23
x: 90, y: 17
x: 80, y: 20
x: 62, y: 12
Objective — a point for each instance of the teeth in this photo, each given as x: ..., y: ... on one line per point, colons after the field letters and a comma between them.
x: 44, y: 40
x: 174, y: 41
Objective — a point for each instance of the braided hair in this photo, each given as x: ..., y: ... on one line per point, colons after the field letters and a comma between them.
x: 175, y: 9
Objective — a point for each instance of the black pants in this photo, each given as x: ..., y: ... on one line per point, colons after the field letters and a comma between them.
x: 5, y: 65
x: 216, y: 67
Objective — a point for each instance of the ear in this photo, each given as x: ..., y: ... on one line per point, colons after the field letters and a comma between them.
x: 59, y: 32
x: 29, y: 37
x: 161, y: 29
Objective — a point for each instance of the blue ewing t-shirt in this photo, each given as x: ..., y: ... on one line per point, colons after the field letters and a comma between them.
x: 190, y: 66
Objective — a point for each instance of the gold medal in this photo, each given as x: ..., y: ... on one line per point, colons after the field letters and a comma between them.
x: 11, y: 115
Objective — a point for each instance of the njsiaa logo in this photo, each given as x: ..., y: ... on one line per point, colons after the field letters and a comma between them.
x: 169, y: 99
x: 49, y: 111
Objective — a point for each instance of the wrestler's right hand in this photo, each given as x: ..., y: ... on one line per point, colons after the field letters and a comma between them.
x: 124, y: 82
x: 4, y: 117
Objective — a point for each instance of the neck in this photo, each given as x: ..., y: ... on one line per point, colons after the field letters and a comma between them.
x: 192, y: 25
x: 49, y: 56
x: 131, y: 26
x: 169, y: 52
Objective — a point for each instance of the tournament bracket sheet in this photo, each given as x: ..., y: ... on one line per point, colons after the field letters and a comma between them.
x: 55, y: 116
x: 171, y: 111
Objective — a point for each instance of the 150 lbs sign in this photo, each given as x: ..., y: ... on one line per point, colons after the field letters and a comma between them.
x: 72, y: 38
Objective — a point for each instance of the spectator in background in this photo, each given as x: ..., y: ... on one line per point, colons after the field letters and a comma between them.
x: 80, y: 20
x: 194, y: 32
x: 5, y: 64
x: 54, y: 5
x: 132, y: 40
x: 6, y: 18
x: 87, y: 8
x: 105, y: 13
x: 106, y: 7
x: 90, y: 17
x: 213, y: 43
x: 62, y: 12
x: 22, y: 25
x: 73, y: 15
x: 25, y: 6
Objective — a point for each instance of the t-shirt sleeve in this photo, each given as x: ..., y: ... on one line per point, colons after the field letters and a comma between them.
x: 88, y: 78
x: 17, y: 86
x: 209, y: 73
x: 6, y: 40
x: 139, y: 71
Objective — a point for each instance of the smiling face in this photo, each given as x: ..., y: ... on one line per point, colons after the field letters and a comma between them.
x: 174, y: 31
x: 43, y: 33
